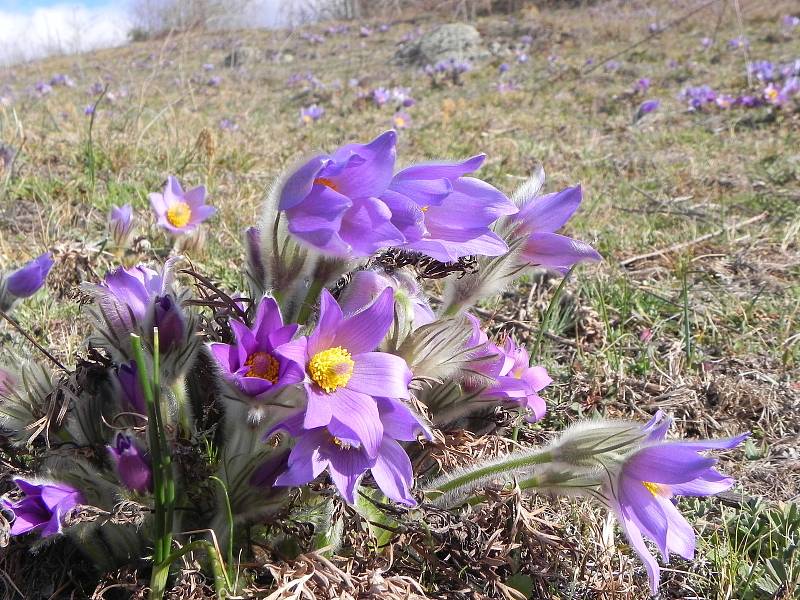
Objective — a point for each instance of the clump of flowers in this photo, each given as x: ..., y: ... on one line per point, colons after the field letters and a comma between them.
x: 448, y: 71
x: 314, y: 398
x: 310, y: 114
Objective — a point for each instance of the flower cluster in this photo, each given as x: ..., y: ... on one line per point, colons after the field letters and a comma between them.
x: 449, y: 70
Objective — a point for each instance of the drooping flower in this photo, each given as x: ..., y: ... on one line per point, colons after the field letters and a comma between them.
x: 42, y: 508
x: 332, y: 200
x: 647, y: 107
x: 343, y: 373
x: 132, y: 463
x: 311, y: 113
x: 121, y: 224
x: 29, y: 278
x: 641, y: 487
x: 179, y: 211
x: 539, y: 218
x: 131, y: 391
x: 253, y: 364
x: 445, y: 214
x: 347, y: 459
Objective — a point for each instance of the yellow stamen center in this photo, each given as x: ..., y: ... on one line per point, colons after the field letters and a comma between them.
x: 656, y: 489
x: 307, y: 119
x: 424, y: 209
x: 326, y: 182
x: 331, y: 368
x: 262, y: 365
x: 341, y: 444
x: 178, y: 214
x: 399, y: 121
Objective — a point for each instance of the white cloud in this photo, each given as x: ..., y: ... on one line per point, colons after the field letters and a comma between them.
x: 63, y: 28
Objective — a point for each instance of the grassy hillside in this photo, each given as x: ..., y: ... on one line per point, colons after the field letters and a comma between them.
x: 694, y: 311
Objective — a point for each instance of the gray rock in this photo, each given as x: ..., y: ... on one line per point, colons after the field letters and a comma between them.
x: 452, y: 41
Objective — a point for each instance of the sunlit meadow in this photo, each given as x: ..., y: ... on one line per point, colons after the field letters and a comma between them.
x: 289, y: 314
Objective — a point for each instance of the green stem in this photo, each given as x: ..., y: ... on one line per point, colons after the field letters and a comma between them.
x: 310, y: 299
x: 229, y: 514
x: 158, y: 580
x: 467, y: 479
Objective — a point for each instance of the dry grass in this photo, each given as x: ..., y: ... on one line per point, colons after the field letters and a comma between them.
x: 705, y: 330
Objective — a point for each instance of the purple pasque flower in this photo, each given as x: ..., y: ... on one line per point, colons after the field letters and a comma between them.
x: 253, y: 364
x: 343, y: 373
x: 121, y: 224
x: 642, y: 85
x: 42, y: 508
x: 706, y: 42
x: 445, y: 214
x: 312, y: 113
x: 410, y: 303
x: 132, y: 463
x: 790, y: 21
x: 764, y: 70
x: 138, y: 299
x: 29, y: 278
x: 132, y: 397
x: 647, y: 107
x: 503, y: 68
x: 179, y: 211
x: 698, y: 96
x: 332, y: 200
x: 641, y: 487
x: 725, y: 101
x: 401, y: 120
x: 381, y: 96
x: 539, y: 218
x: 347, y: 459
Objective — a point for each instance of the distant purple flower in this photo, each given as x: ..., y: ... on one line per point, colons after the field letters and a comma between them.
x: 526, y: 39
x: 738, y: 42
x: 384, y: 28
x: 611, y: 65
x: 332, y: 200
x: 446, y: 214
x: 253, y: 364
x: 540, y: 218
x: 346, y: 457
x: 773, y: 95
x: 503, y: 87
x: 121, y: 224
x: 311, y: 113
x: 790, y: 21
x: 132, y: 463
x: 725, y: 101
x: 88, y: 110
x: 642, y: 85
x: 763, y: 70
x: 402, y: 96
x: 62, y: 79
x: 228, y: 125
x: 96, y: 88
x: 179, y: 211
x: 214, y: 81
x: 401, y: 120
x: 698, y: 96
x: 655, y: 27
x: 640, y: 490
x: 522, y: 57
x: 706, y: 42
x: 42, y: 508
x: 647, y: 107
x: 30, y: 277
x: 364, y: 31
x: 748, y: 101
x: 43, y: 89
x: 344, y: 374
x: 503, y: 68
x: 380, y: 96
x: 208, y: 67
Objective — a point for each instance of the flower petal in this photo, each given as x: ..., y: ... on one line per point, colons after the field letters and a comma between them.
x: 392, y: 472
x: 298, y: 185
x: 556, y: 251
x: 357, y: 418
x: 399, y: 421
x: 380, y: 374
x: 364, y: 331
x: 550, y: 212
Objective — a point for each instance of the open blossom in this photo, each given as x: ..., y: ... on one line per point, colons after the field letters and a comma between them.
x: 253, y: 363
x: 29, y: 278
x: 539, y: 218
x: 513, y: 380
x: 132, y: 463
x: 401, y: 120
x: 121, y: 224
x: 332, y: 200
x: 311, y: 113
x: 346, y: 458
x: 446, y: 214
x: 179, y: 211
x: 343, y: 375
x: 640, y: 490
x: 42, y: 508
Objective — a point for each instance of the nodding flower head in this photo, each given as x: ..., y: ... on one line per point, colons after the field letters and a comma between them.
x: 24, y: 281
x: 178, y: 211
x: 120, y: 223
x: 42, y: 507
x: 132, y: 463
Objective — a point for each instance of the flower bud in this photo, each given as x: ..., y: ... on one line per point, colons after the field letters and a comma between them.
x: 132, y: 463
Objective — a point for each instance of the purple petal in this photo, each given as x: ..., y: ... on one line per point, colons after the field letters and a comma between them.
x: 328, y: 325
x: 399, y: 421
x: 392, y: 472
x: 317, y: 220
x: 346, y: 468
x: 473, y: 204
x: 680, y: 535
x: 305, y: 462
x: 298, y: 185
x: 556, y: 251
x: 357, y: 414
x: 364, y: 331
x: 367, y: 227
x: 372, y: 174
x: 268, y: 318
x: 319, y: 409
x: 666, y: 463
x: 550, y: 212
x: 634, y: 535
x: 708, y: 483
x: 380, y: 374
x: 440, y: 170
